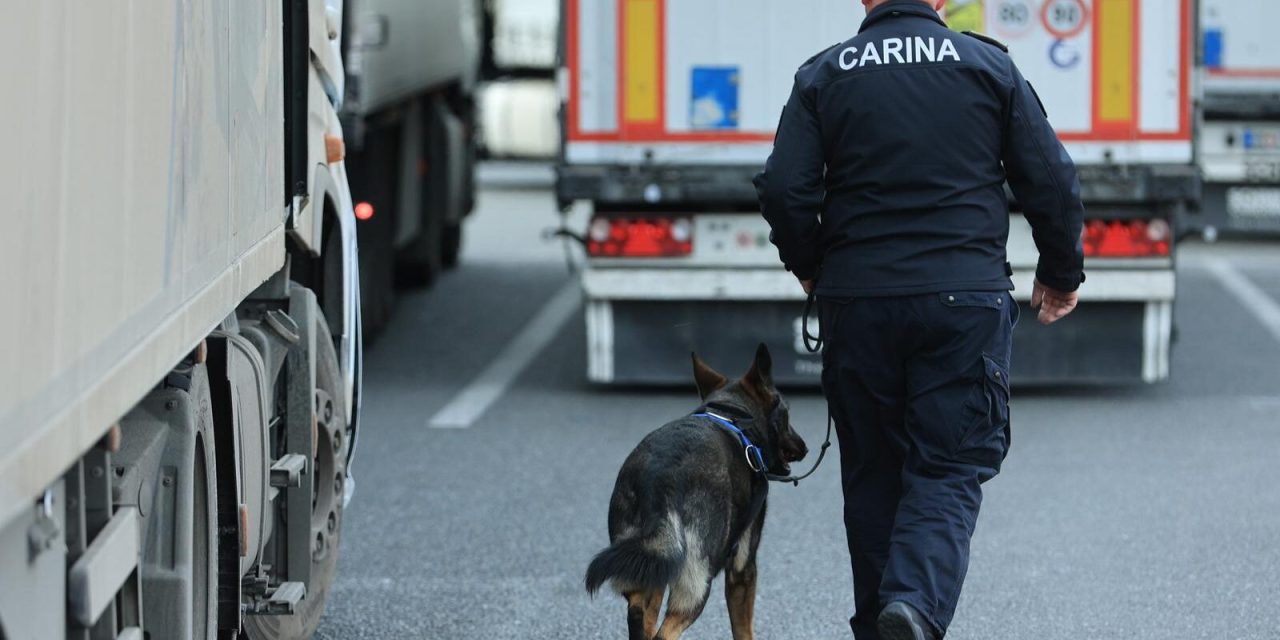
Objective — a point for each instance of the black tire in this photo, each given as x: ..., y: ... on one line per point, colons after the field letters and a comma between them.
x: 329, y: 480
x: 451, y: 245
x: 418, y: 264
x: 204, y: 546
x: 204, y: 514
x: 377, y: 276
x: 372, y: 175
x: 180, y: 553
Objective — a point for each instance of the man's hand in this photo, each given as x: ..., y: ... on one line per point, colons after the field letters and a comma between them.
x: 1054, y: 305
x: 807, y: 285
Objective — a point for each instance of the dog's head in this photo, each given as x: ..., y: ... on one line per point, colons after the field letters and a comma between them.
x: 770, y: 424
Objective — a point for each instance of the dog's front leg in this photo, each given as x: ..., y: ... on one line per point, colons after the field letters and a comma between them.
x: 740, y: 592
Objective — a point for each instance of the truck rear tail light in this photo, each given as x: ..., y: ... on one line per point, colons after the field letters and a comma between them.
x: 639, y: 237
x: 1127, y: 238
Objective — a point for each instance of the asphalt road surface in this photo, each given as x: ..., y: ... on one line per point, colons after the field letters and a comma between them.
x: 1142, y: 512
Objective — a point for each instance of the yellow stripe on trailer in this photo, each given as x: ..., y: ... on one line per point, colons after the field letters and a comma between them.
x: 1115, y: 47
x: 640, y: 61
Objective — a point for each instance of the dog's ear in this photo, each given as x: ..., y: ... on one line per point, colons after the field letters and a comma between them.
x: 761, y: 373
x: 707, y: 379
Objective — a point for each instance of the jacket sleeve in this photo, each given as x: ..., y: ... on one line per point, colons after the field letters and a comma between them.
x: 1044, y: 182
x: 791, y: 189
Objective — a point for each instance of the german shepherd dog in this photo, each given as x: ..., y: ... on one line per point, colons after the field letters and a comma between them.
x: 689, y: 502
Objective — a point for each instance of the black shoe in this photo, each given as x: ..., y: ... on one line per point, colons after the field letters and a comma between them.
x: 899, y: 621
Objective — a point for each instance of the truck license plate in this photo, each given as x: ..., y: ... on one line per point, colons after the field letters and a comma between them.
x: 1253, y: 202
x: 1259, y: 171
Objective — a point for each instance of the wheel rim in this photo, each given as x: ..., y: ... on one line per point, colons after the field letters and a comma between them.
x: 326, y: 482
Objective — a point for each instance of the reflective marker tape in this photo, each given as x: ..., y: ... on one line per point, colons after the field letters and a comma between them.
x: 640, y: 61
x: 1115, y: 47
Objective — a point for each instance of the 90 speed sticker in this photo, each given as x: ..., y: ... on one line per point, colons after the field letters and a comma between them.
x: 1064, y: 18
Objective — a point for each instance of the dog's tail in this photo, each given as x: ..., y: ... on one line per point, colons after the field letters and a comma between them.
x: 642, y: 563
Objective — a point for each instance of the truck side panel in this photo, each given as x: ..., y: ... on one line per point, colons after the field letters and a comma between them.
x: 1240, y: 138
x: 107, y: 278
x: 703, y: 83
x: 440, y: 36
x: 1237, y: 41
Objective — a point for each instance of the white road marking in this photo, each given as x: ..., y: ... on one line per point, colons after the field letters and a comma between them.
x: 1262, y: 306
x: 476, y: 398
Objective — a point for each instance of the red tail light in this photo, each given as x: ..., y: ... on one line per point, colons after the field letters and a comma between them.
x: 364, y: 211
x: 639, y: 237
x: 1127, y: 238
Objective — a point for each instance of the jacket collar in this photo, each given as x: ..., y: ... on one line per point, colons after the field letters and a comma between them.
x: 896, y: 8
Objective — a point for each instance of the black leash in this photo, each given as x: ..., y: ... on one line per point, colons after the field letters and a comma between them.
x: 812, y: 344
x: 822, y: 453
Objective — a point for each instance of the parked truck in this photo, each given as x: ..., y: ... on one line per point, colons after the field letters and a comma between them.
x: 409, y: 114
x: 518, y: 103
x: 1240, y: 139
x: 181, y: 328
x: 670, y: 108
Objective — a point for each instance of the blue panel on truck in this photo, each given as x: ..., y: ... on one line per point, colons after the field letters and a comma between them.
x: 714, y: 98
x: 1213, y: 48
x: 1099, y: 343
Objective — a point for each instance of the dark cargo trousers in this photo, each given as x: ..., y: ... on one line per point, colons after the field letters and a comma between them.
x: 919, y: 390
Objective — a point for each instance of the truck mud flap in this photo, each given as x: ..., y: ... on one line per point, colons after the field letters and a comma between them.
x: 644, y: 342
x: 648, y: 342
x: 1241, y: 209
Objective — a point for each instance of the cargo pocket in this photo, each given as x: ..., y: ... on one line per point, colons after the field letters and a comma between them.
x: 986, y: 441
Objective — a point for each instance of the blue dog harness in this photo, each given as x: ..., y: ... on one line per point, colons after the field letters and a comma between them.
x: 755, y: 458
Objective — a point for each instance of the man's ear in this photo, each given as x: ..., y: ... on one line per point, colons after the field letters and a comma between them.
x: 707, y: 379
x: 761, y: 373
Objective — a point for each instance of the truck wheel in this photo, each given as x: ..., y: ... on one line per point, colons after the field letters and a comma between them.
x: 204, y: 550
x: 204, y: 514
x: 179, y: 563
x: 419, y: 263
x: 451, y: 245
x: 328, y: 483
x: 373, y: 176
x: 377, y: 268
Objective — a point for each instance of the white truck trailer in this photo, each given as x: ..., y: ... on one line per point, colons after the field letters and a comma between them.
x: 409, y: 114
x: 1240, y: 139
x: 519, y: 106
x: 181, y: 329
x: 670, y: 108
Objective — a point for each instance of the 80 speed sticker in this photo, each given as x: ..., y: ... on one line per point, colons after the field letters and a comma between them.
x: 1014, y: 17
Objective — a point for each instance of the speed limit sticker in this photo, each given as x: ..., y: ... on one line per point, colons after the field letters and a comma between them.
x: 1064, y: 18
x: 1014, y: 17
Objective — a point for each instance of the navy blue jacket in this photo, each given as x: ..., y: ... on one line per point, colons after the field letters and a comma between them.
x: 890, y: 159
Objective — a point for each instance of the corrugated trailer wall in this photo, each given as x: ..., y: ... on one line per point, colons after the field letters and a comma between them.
x: 1239, y: 45
x: 145, y: 199
x: 700, y: 81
